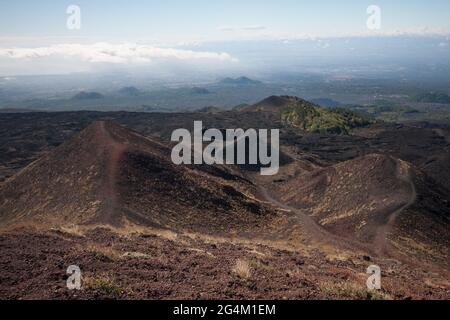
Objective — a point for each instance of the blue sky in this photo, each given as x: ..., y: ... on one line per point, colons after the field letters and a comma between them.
x: 191, y: 20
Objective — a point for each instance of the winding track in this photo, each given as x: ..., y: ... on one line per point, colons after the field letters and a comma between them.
x: 381, y: 237
x: 318, y: 234
x: 315, y: 232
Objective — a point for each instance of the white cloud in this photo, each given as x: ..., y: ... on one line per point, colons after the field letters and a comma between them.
x: 103, y: 52
x: 414, y: 32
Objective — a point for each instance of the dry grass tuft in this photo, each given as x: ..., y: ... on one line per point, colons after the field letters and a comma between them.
x: 258, y: 264
x: 105, y: 254
x: 351, y: 290
x: 73, y: 229
x: 105, y: 284
x: 137, y: 255
x: 242, y: 269
x: 202, y: 252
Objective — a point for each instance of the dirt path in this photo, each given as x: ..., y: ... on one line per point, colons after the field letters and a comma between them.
x: 312, y: 231
x: 114, y: 152
x: 381, y: 237
x: 316, y: 233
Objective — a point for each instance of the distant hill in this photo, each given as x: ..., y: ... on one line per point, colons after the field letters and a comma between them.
x: 433, y: 97
x: 210, y: 109
x: 272, y: 104
x: 310, y: 117
x: 198, y: 90
x: 83, y: 95
x: 129, y: 91
x: 17, y: 110
x: 240, y: 81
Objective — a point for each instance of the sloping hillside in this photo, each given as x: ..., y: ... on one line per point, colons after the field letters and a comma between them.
x: 378, y: 200
x: 111, y: 175
x: 307, y: 116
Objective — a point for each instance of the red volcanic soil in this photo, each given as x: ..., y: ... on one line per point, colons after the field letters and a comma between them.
x: 146, y: 266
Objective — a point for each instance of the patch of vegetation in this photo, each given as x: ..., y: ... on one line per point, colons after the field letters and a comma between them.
x: 349, y: 290
x: 242, y: 270
x: 242, y: 274
x: 136, y: 255
x: 105, y: 284
x: 103, y: 254
x: 261, y: 265
x: 72, y: 230
x: 312, y: 118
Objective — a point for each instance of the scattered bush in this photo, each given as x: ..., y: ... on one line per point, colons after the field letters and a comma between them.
x: 104, y: 284
x: 242, y: 269
x: 350, y: 290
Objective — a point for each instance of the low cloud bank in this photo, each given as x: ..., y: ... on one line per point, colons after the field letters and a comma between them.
x: 113, y: 53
